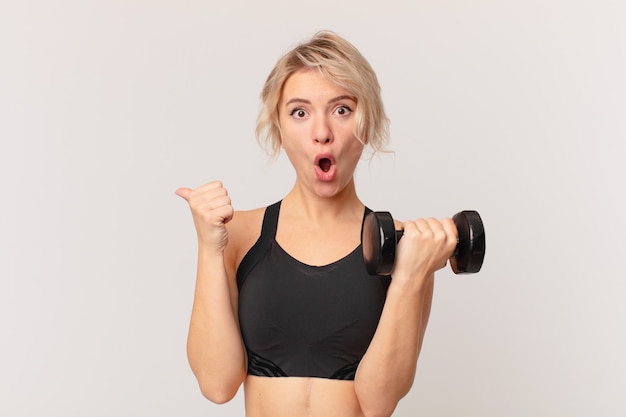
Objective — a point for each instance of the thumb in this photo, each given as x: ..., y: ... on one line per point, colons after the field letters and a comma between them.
x: 184, y: 193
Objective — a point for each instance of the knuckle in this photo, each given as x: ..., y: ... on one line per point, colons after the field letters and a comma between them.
x: 408, y: 227
x: 440, y: 235
x: 215, y: 184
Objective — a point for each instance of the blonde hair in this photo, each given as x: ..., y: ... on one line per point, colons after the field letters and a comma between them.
x: 339, y: 61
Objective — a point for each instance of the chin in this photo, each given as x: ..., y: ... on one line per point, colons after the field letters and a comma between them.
x: 327, y: 190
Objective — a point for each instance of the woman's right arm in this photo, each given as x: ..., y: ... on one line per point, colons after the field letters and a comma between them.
x: 214, y: 346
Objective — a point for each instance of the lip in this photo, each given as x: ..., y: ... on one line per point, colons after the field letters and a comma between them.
x: 320, y: 173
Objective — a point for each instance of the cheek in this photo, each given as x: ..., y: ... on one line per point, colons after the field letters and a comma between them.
x: 289, y: 134
x: 359, y: 150
x: 293, y: 150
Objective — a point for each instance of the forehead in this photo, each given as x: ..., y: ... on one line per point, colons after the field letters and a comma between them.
x: 310, y: 84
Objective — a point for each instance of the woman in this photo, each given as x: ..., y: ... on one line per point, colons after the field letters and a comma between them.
x: 283, y: 302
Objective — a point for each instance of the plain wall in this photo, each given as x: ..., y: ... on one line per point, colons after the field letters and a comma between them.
x: 512, y: 108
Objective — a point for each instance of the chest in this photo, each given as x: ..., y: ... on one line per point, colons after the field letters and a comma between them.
x: 291, y: 311
x: 323, y: 246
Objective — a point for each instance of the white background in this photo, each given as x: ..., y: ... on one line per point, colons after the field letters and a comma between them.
x: 513, y: 108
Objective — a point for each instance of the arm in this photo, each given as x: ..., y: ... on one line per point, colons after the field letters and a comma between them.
x: 387, y: 370
x: 214, y: 346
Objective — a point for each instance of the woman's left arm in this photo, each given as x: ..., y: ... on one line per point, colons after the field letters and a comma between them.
x: 387, y: 370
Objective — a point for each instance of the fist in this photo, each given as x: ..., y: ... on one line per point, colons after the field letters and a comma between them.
x: 425, y: 247
x: 211, y: 209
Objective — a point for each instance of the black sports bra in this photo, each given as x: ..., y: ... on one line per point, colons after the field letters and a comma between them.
x: 302, y: 320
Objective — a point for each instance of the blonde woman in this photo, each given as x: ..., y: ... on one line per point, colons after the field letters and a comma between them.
x: 283, y: 303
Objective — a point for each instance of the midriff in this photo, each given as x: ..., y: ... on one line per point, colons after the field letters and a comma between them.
x: 300, y: 397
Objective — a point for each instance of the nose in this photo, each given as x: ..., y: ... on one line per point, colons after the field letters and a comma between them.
x: 322, y: 132
x: 323, y: 141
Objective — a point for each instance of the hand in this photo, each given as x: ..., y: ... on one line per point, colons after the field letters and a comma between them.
x: 425, y: 247
x: 211, y: 209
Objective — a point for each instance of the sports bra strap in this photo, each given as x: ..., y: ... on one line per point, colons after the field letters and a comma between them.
x: 258, y: 250
x: 270, y: 222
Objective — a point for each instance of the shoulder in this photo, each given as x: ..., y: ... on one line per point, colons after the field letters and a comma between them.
x: 245, y: 220
x: 243, y: 231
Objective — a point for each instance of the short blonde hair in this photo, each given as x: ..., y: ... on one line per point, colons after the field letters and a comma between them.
x: 339, y: 61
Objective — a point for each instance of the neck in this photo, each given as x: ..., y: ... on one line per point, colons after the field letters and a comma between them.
x: 319, y: 208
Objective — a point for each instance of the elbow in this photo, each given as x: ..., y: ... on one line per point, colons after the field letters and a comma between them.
x: 218, y: 393
x: 218, y: 397
x: 379, y: 403
x: 220, y: 389
x: 383, y: 407
x: 378, y: 411
x: 218, y: 385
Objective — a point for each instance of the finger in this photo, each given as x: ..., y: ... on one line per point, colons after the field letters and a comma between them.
x: 409, y: 228
x: 219, y: 203
x: 211, y: 185
x: 439, y: 234
x: 452, y: 234
x: 450, y: 228
x: 226, y: 212
x: 183, y: 193
x: 423, y: 227
x: 435, y: 226
x: 451, y: 231
x: 210, y: 191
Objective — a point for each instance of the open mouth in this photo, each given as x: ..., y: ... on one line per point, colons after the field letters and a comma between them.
x: 325, y: 164
x: 325, y: 167
x: 325, y: 161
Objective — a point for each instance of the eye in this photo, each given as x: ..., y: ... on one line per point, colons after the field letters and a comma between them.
x: 343, y: 110
x: 298, y: 113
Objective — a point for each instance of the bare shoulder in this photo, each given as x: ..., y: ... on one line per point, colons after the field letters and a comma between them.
x: 243, y: 231
x: 244, y: 221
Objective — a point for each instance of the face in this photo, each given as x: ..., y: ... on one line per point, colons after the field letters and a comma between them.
x: 317, y: 132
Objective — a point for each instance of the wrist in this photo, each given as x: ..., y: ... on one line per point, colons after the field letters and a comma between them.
x: 404, y: 284
x: 209, y: 252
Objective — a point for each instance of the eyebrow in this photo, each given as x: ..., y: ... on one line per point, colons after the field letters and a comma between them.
x: 332, y: 100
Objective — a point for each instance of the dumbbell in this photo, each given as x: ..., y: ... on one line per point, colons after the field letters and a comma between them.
x: 379, y: 239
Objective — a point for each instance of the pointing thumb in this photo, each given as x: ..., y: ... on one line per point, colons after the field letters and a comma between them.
x: 184, y: 193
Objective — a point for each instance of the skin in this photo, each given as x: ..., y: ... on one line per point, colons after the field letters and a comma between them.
x: 316, y: 119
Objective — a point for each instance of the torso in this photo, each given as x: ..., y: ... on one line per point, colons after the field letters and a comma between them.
x: 300, y: 397
x: 297, y: 396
